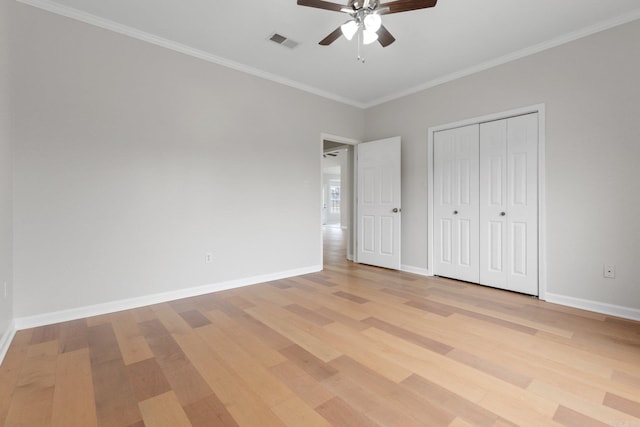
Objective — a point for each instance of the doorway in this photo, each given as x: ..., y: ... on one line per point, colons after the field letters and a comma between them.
x: 337, y: 200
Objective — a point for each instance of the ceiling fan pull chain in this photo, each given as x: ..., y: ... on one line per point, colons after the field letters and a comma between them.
x: 360, y: 47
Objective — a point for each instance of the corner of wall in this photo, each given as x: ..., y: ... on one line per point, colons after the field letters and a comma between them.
x: 5, y: 340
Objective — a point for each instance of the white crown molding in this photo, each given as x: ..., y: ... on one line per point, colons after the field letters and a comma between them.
x: 5, y: 340
x: 595, y: 306
x: 127, y: 304
x: 87, y: 18
x: 558, y: 41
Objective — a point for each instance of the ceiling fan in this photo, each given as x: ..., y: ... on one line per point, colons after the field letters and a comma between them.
x: 365, y: 18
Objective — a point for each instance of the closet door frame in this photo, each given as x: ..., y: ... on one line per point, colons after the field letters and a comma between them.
x: 542, y: 247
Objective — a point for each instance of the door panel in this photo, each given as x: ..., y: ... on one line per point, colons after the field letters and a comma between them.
x: 456, y: 203
x: 368, y: 234
x: 522, y: 163
x: 508, y: 204
x: 379, y: 193
x: 493, y: 202
x: 386, y: 235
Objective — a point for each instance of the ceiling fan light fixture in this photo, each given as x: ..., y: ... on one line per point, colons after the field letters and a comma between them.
x: 369, y: 37
x: 372, y: 22
x: 349, y: 29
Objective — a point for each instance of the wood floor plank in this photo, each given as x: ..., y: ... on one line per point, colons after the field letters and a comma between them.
x: 147, y: 379
x: 73, y: 373
x: 244, y: 366
x: 412, y: 406
x: 341, y: 414
x: 294, y: 413
x: 302, y: 383
x: 242, y: 403
x: 209, y: 411
x: 370, y: 353
x: 45, y: 333
x: 569, y: 417
x: 115, y: 400
x: 299, y: 336
x: 628, y: 406
x: 73, y: 336
x: 421, y: 340
x: 244, y: 338
x: 33, y: 397
x: 163, y: 411
x: 248, y: 408
x: 10, y: 370
x: 309, y: 315
x: 194, y: 318
x: 306, y: 361
x: 133, y: 346
x: 566, y: 398
x: 464, y: 409
x: 116, y: 403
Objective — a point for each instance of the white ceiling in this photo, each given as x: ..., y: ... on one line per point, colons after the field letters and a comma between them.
x: 455, y: 38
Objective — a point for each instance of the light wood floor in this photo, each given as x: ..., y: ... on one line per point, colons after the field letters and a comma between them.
x: 350, y: 346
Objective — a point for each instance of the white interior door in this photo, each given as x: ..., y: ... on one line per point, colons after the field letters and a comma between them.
x: 509, y: 204
x: 456, y: 192
x: 379, y: 203
x: 493, y: 204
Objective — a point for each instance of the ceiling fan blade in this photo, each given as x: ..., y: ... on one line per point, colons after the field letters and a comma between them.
x: 335, y: 35
x: 407, y: 5
x: 384, y: 36
x: 321, y: 4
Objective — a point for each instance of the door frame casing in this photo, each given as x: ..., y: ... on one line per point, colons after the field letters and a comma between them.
x: 542, y: 220
x: 352, y: 230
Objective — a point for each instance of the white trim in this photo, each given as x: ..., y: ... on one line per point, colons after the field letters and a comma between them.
x: 595, y: 306
x: 107, y: 24
x: 415, y: 270
x: 352, y: 235
x: 129, y: 303
x: 558, y: 41
x: 542, y: 205
x: 5, y: 340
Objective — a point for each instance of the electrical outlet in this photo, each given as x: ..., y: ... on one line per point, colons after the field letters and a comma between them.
x: 208, y: 258
x: 610, y: 271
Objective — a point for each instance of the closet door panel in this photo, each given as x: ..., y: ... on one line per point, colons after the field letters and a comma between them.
x: 522, y: 199
x: 493, y: 204
x: 456, y: 192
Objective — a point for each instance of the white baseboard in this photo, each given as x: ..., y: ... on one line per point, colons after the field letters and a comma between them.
x: 5, y: 340
x: 129, y: 303
x: 415, y: 270
x: 596, y: 306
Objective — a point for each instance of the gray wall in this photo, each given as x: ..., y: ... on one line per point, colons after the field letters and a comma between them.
x: 591, y: 91
x: 6, y: 206
x: 132, y: 161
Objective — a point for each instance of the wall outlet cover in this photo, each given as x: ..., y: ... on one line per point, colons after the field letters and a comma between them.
x: 610, y: 271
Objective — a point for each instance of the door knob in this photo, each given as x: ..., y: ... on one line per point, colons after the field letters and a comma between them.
x: 455, y: 212
x: 396, y: 210
x: 503, y: 213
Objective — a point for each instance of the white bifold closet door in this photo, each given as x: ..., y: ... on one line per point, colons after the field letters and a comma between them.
x: 455, y: 185
x: 509, y: 204
x: 486, y: 203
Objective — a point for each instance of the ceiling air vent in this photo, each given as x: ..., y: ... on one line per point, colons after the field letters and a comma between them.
x: 283, y: 41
